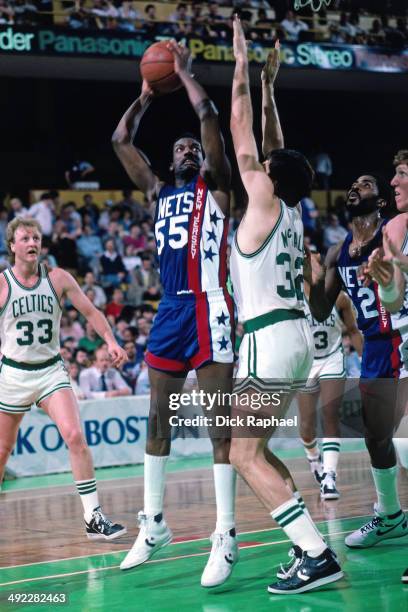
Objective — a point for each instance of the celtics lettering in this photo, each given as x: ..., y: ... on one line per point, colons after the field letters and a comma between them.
x: 33, y: 303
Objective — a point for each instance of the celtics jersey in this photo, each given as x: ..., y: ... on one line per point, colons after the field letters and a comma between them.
x: 326, y: 334
x: 30, y: 320
x: 400, y: 319
x: 272, y: 277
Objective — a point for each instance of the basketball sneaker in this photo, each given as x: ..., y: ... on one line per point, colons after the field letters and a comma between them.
x: 101, y: 528
x: 153, y: 535
x: 328, y: 486
x: 287, y: 569
x: 310, y: 573
x: 380, y: 527
x: 316, y: 467
x: 404, y: 577
x: 223, y: 557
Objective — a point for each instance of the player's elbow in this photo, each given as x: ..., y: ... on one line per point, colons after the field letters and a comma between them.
x: 119, y: 138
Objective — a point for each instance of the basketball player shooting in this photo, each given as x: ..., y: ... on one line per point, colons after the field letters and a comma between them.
x: 32, y: 370
x: 193, y: 328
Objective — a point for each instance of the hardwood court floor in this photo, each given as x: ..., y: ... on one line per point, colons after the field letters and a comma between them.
x: 44, y: 549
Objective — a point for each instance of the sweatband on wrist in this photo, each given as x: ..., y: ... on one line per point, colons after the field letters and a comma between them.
x: 390, y: 293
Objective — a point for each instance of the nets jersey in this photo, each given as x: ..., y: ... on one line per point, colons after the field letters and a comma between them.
x: 326, y: 334
x: 191, y: 236
x: 385, y: 335
x: 272, y: 277
x: 30, y: 320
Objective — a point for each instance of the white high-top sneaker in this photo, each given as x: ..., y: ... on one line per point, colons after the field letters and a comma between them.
x: 328, y: 488
x: 153, y: 535
x: 224, y: 555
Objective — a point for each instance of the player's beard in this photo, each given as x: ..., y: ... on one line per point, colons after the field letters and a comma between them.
x: 186, y: 173
x: 363, y: 208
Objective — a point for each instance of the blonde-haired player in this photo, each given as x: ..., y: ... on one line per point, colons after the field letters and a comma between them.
x: 327, y: 379
x: 32, y: 370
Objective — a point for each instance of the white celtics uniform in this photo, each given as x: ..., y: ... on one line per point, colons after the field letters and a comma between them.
x: 400, y: 321
x: 31, y: 367
x: 276, y: 352
x: 328, y: 362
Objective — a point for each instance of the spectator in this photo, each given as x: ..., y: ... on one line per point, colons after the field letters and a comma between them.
x: 82, y: 358
x: 70, y: 329
x: 102, y: 381
x: 143, y: 383
x: 351, y: 358
x: 145, y: 283
x: 113, y: 270
x: 131, y: 368
x: 46, y: 257
x: 293, y: 26
x: 64, y: 247
x: 89, y: 250
x: 79, y: 174
x: 43, y: 212
x: 71, y: 219
x: 130, y: 259
x: 25, y: 12
x: 150, y: 24
x: 6, y: 13
x: 100, y: 295
x: 136, y: 238
x: 324, y: 169
x: 180, y: 14
x: 90, y: 209
x: 17, y: 209
x: 115, y: 232
x: 138, y: 212
x: 90, y: 341
x: 115, y: 307
x: 73, y: 371
x: 128, y: 15
x: 310, y: 215
x: 333, y: 233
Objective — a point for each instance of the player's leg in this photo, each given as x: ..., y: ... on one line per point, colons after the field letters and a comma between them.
x: 215, y: 379
x: 154, y: 532
x: 9, y: 424
x: 62, y: 408
x: 307, y: 413
x: 315, y: 559
x: 380, y: 415
x: 401, y: 435
x: 332, y: 391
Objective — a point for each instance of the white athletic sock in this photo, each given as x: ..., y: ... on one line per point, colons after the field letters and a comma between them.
x: 301, y: 503
x: 89, y: 496
x: 311, y: 449
x: 385, y: 481
x: 299, y: 528
x: 331, y: 453
x: 225, y: 485
x: 401, y: 446
x: 154, y: 481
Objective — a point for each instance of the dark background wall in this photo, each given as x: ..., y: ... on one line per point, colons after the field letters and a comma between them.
x: 47, y: 123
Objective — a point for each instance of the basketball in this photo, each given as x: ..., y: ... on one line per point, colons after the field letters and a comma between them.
x: 157, y: 68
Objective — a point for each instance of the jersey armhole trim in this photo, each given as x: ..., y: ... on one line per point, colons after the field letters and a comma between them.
x: 8, y: 294
x: 404, y: 244
x: 266, y: 241
x: 52, y: 287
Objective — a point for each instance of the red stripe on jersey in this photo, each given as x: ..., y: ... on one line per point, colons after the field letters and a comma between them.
x: 384, y: 317
x: 194, y: 236
x: 223, y: 255
x: 395, y: 355
x: 161, y: 363
x: 203, y: 332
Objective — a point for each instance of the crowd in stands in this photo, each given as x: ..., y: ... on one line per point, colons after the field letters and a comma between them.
x: 351, y: 21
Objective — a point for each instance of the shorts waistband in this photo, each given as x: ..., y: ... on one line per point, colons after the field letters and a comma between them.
x: 270, y: 318
x: 21, y: 365
x: 191, y: 295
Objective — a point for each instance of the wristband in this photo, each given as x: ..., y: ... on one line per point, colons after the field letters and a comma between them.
x: 390, y: 293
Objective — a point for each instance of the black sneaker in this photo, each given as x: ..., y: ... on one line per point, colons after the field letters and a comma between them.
x: 311, y: 573
x: 328, y: 488
x: 101, y: 528
x: 316, y: 467
x: 404, y: 577
x: 287, y: 570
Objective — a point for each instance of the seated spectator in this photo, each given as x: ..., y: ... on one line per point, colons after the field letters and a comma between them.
x: 131, y: 369
x: 128, y: 202
x: 115, y: 307
x: 293, y: 26
x: 130, y: 259
x: 82, y: 358
x: 143, y: 382
x: 136, y: 238
x: 90, y: 341
x: 100, y: 295
x: 151, y: 25
x: 89, y: 250
x: 71, y: 219
x: 128, y: 17
x: 180, y: 14
x: 144, y: 283
x: 102, y: 381
x: 310, y: 214
x: 25, y: 12
x: 6, y: 13
x: 73, y: 371
x: 46, y: 257
x: 64, y: 247
x: 17, y: 209
x: 333, y: 233
x: 70, y: 329
x: 91, y: 210
x: 113, y: 270
x: 43, y: 212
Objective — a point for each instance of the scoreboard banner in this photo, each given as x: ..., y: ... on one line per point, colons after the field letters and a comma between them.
x: 62, y: 42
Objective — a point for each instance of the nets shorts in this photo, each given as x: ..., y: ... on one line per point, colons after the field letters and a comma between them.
x: 190, y: 330
x: 21, y: 388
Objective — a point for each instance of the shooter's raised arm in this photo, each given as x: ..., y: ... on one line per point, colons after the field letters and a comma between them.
x: 272, y: 135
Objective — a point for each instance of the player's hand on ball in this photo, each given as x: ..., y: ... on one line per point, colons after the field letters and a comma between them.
x: 379, y: 268
x: 240, y: 44
x: 182, y: 57
x: 271, y: 68
x: 117, y: 354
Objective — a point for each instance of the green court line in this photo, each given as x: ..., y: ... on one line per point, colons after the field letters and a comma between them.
x: 132, y: 471
x: 372, y: 579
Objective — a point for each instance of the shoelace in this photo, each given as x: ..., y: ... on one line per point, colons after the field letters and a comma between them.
x: 101, y: 518
x: 372, y: 524
x: 289, y: 573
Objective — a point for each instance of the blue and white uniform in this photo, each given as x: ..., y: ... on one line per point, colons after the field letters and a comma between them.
x: 195, y: 320
x: 385, y: 335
